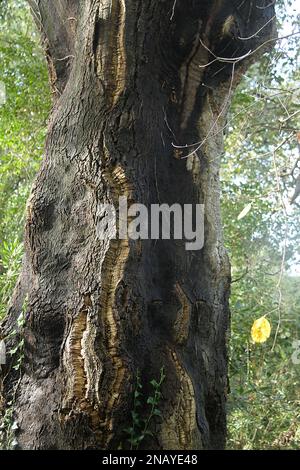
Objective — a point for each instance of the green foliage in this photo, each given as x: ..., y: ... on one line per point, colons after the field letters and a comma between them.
x: 264, y: 402
x: 22, y: 132
x: 144, y: 410
x: 18, y: 350
x: 7, y: 429
x: 11, y: 253
x: 261, y: 152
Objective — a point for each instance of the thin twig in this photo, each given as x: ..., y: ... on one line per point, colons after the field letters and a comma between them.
x: 215, y: 122
x: 173, y: 10
x: 263, y: 27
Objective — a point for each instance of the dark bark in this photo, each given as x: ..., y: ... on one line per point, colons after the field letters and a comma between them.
x: 127, y: 84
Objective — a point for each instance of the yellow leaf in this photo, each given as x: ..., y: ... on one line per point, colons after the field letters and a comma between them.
x: 261, y: 330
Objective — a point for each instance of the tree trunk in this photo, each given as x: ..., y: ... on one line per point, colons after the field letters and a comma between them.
x: 131, y: 80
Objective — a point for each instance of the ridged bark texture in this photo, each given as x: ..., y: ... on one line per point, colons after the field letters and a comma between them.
x: 131, y: 80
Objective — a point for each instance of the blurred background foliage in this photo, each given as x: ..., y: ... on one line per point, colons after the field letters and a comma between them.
x: 22, y: 131
x: 258, y: 173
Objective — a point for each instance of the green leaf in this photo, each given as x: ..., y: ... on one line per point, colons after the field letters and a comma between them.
x: 154, y: 383
x: 14, y: 350
x: 245, y: 211
x: 151, y: 401
x: 129, y: 430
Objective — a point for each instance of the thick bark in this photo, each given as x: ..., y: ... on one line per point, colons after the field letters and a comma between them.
x: 128, y: 80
